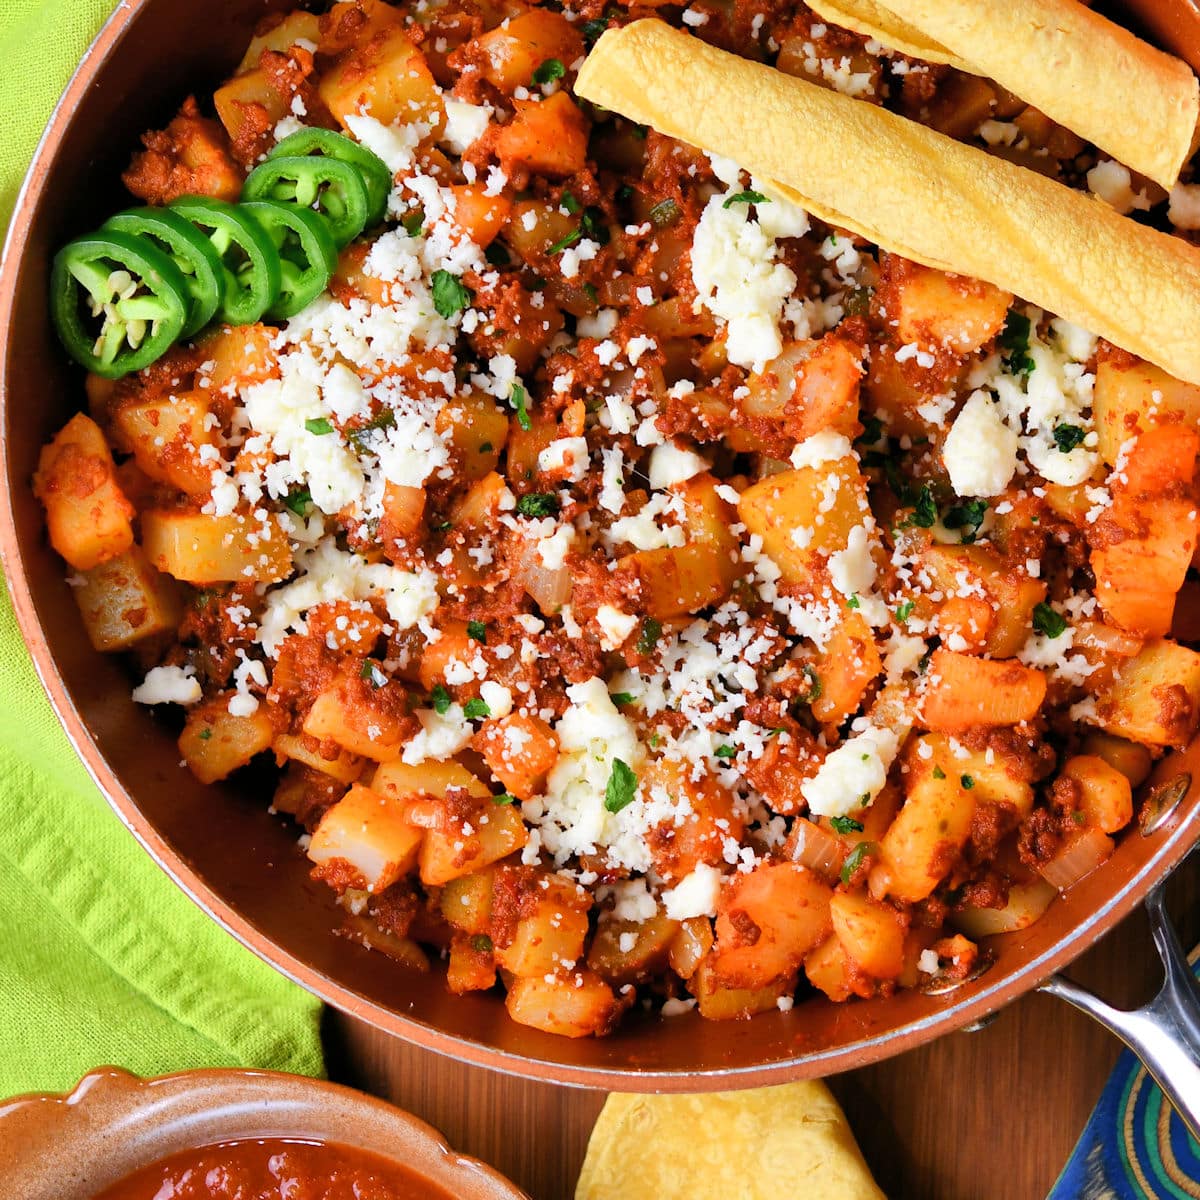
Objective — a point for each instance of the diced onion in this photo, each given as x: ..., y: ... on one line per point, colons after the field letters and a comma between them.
x: 1078, y: 858
x: 548, y: 589
x: 817, y: 848
x: 1026, y: 902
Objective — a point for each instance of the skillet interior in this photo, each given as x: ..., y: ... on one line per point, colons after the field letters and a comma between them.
x: 219, y: 843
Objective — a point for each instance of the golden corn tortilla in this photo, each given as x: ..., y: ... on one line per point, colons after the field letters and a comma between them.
x: 1133, y: 101
x: 876, y: 21
x: 911, y: 190
x: 788, y: 1141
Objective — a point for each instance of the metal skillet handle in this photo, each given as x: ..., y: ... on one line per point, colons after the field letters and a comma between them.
x: 1164, y: 1034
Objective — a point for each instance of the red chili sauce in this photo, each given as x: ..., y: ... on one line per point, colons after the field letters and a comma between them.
x: 274, y: 1169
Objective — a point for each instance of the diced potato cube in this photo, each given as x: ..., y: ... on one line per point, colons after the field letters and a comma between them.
x: 936, y: 311
x: 520, y: 751
x: 306, y: 749
x: 550, y: 937
x: 1155, y: 697
x: 721, y: 1002
x: 386, y: 78
x: 295, y: 27
x: 631, y: 951
x: 360, y: 720
x: 497, y: 832
x: 805, y: 515
x: 1131, y: 396
x: 202, y: 549
x: 87, y: 515
x: 215, y: 743
x: 365, y: 832
x: 165, y: 437
x: 929, y: 830
x: 871, y: 933
x: 248, y: 106
x: 466, y: 902
x: 125, y: 601
x: 575, y: 1004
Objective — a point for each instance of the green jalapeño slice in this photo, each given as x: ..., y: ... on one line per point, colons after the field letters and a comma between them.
x: 326, y: 144
x: 249, y: 263
x: 118, y: 303
x: 307, y: 253
x: 188, y: 249
x: 326, y: 185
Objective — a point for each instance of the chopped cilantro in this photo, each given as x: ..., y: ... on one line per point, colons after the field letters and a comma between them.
x: 621, y: 698
x: 537, y: 504
x: 481, y: 943
x: 854, y: 602
x: 371, y: 672
x: 664, y: 213
x: 477, y: 631
x: 385, y: 418
x: 519, y: 400
x: 441, y: 699
x: 591, y: 293
x: 569, y: 202
x: 450, y: 294
x: 845, y: 825
x: 726, y: 752
x: 319, y: 426
x: 905, y: 611
x: 1014, y: 339
x: 938, y: 773
x: 1079, y: 818
x: 476, y: 709
x: 485, y: 447
x: 967, y: 781
x: 298, y: 501
x: 854, y: 861
x: 442, y: 526
x: 746, y: 197
x: 815, y: 686
x: 622, y: 787
x: 504, y: 798
x: 967, y: 516
x: 872, y: 432
x: 564, y: 242
x: 648, y: 637
x: 413, y: 222
x: 205, y: 734
x: 1067, y: 437
x: 925, y: 510
x: 776, y: 731
x: 550, y: 70
x: 1047, y: 621
x: 594, y: 224
x: 592, y: 30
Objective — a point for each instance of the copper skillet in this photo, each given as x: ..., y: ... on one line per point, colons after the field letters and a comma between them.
x: 243, y: 866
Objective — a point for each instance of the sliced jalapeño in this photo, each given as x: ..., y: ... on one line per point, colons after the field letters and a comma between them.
x: 188, y: 249
x: 249, y: 262
x: 307, y: 253
x: 118, y: 302
x: 328, y: 186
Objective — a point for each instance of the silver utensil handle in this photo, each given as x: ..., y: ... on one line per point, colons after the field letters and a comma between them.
x: 1164, y: 1034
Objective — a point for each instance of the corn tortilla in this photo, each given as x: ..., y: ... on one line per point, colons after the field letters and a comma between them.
x: 874, y: 20
x: 752, y: 1145
x: 1132, y: 101
x: 911, y: 190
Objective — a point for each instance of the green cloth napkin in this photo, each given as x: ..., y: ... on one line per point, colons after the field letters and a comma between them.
x: 102, y: 959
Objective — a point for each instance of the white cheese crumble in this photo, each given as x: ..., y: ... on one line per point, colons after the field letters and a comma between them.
x: 695, y: 895
x: 672, y: 463
x: 853, y: 775
x: 980, y: 451
x: 168, y: 685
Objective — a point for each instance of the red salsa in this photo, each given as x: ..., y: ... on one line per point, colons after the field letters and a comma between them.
x: 274, y: 1169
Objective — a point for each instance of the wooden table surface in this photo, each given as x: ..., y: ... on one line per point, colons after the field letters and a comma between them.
x: 990, y: 1115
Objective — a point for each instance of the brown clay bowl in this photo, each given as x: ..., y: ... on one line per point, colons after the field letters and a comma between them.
x: 71, y: 1147
x: 219, y: 843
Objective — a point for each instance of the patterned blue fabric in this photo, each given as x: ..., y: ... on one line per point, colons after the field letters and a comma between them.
x: 1134, y: 1147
